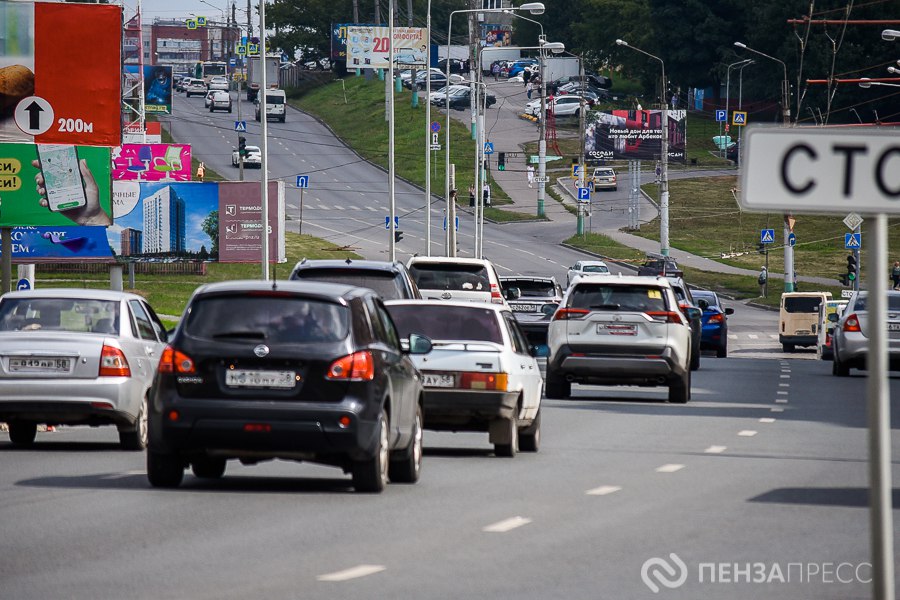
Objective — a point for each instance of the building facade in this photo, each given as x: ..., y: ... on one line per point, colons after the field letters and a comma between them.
x: 130, y: 241
x: 164, y: 224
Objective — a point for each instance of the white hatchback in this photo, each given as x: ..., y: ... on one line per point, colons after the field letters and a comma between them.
x: 481, y: 374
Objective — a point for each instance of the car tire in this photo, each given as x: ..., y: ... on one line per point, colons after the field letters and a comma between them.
x: 530, y: 437
x: 136, y: 439
x: 557, y: 388
x: 164, y: 470
x: 22, y: 433
x: 787, y: 347
x: 837, y: 368
x: 722, y: 351
x: 407, y: 464
x: 370, y: 476
x: 509, y: 450
x: 229, y: 111
x: 680, y: 389
x: 283, y: 118
x: 208, y: 467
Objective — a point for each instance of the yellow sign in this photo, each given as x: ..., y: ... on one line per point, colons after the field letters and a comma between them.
x: 739, y: 118
x: 191, y: 23
x: 252, y: 48
x: 241, y: 50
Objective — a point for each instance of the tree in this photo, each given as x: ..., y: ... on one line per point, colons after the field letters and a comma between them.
x: 210, y: 227
x: 203, y: 254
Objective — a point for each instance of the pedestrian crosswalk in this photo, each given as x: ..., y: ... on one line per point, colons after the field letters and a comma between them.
x: 752, y: 336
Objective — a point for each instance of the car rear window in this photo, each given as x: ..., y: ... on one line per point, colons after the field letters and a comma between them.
x: 447, y: 322
x: 267, y: 317
x: 802, y: 304
x: 274, y: 99
x: 641, y: 298
x: 532, y: 289
x: 451, y: 277
x: 604, y: 173
x: 893, y: 302
x: 711, y: 299
x: 387, y: 284
x: 595, y: 269
x: 59, y: 314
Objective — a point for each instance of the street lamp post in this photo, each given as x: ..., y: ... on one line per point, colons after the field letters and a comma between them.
x: 786, y: 115
x: 728, y: 87
x: 664, y: 156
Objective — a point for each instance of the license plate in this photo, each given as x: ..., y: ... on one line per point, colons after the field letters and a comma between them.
x: 893, y: 326
x: 438, y: 380
x: 614, y: 329
x: 40, y: 365
x: 260, y: 379
x: 524, y: 307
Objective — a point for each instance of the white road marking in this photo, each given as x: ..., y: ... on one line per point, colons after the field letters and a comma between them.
x: 669, y: 468
x: 339, y: 207
x: 773, y: 336
x: 784, y: 385
x: 767, y: 420
x: 715, y: 449
x: 785, y: 376
x: 782, y: 393
x: 603, y: 490
x: 747, y: 433
x: 752, y: 336
x: 781, y: 401
x: 507, y: 525
x: 776, y: 410
x: 351, y: 573
x: 732, y: 336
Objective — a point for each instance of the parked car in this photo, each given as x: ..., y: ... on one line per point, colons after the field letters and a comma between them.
x: 457, y: 278
x: 692, y: 311
x: 516, y: 67
x: 604, y: 178
x: 218, y: 83
x: 439, y: 97
x: 196, y: 87
x: 461, y: 99
x: 480, y: 375
x: 714, y: 334
x: 77, y: 357
x: 220, y: 101
x: 851, y: 335
x: 656, y: 264
x: 568, y: 105
x: 438, y: 79
x: 830, y: 313
x: 620, y: 331
x: 391, y: 280
x: 253, y: 158
x: 294, y: 370
x: 586, y: 267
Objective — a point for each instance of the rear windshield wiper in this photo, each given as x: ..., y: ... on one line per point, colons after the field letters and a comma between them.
x: 260, y: 335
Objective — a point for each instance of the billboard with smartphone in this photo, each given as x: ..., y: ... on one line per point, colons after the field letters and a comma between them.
x: 152, y: 162
x: 221, y: 221
x: 634, y: 135
x: 157, y: 88
x: 54, y: 185
x: 60, y: 73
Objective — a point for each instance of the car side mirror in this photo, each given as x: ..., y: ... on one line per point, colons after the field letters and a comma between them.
x: 703, y: 304
x: 539, y: 350
x: 513, y: 293
x: 729, y: 311
x: 419, y: 344
x: 833, y: 318
x: 693, y: 313
x: 549, y: 309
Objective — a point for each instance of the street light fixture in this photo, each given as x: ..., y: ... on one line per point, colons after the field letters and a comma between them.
x: 664, y: 155
x: 742, y: 64
x: 889, y: 35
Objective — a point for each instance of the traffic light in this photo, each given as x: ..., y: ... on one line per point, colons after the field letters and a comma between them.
x: 761, y: 248
x: 242, y: 145
x: 501, y: 161
x: 852, y: 268
x: 398, y: 235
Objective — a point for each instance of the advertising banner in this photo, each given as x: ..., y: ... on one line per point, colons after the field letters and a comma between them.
x: 193, y: 220
x: 54, y: 185
x: 152, y: 162
x: 634, y: 135
x: 59, y: 244
x: 369, y: 47
x: 60, y: 73
x: 152, y: 133
x: 157, y: 88
x: 339, y: 39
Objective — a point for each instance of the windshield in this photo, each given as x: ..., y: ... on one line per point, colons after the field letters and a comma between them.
x: 274, y: 99
x: 59, y: 314
x: 447, y: 322
x: 388, y: 285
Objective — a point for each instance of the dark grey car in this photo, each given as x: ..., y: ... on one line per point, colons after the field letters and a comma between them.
x: 391, y: 280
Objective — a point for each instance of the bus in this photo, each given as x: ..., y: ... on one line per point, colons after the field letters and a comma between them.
x: 209, y: 69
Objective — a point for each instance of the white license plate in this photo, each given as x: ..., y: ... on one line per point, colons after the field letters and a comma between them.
x: 524, y: 307
x: 614, y: 329
x: 893, y: 326
x: 437, y: 380
x: 260, y: 379
x: 40, y: 365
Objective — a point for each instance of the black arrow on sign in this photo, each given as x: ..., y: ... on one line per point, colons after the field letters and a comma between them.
x: 34, y: 115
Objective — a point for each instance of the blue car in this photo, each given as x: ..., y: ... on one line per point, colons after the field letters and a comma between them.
x: 517, y: 67
x: 714, y: 335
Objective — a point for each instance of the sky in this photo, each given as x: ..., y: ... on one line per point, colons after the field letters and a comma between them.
x: 182, y: 9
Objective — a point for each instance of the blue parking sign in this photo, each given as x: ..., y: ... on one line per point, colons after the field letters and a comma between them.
x: 584, y: 194
x: 721, y: 114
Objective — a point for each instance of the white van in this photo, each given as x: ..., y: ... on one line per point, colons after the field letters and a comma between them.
x: 799, y: 319
x: 276, y: 105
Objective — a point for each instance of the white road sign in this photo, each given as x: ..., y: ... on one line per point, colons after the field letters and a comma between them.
x: 853, y: 220
x: 820, y: 170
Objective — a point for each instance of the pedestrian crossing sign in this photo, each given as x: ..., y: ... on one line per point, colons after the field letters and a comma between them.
x: 852, y: 241
x: 767, y: 236
x: 739, y: 118
x: 488, y: 148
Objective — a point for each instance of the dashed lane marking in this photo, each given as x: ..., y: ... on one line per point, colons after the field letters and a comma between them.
x: 781, y: 401
x: 767, y: 420
x: 507, y: 525
x: 604, y: 490
x: 776, y: 410
x: 669, y: 468
x: 715, y: 449
x: 747, y: 433
x: 352, y: 573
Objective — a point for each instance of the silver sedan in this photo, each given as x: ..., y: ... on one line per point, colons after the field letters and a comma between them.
x: 77, y: 357
x: 850, y: 339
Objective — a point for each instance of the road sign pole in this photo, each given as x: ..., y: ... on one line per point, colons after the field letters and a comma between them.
x: 301, y: 211
x: 5, y: 259
x: 878, y: 393
x: 788, y: 258
x: 856, y: 255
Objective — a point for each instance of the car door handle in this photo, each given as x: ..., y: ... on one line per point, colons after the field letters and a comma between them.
x: 150, y: 351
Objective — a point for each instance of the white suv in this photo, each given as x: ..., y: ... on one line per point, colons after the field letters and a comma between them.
x: 467, y: 279
x: 620, y: 331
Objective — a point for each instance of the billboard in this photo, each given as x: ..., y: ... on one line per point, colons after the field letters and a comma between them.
x: 152, y: 162
x: 208, y: 221
x: 369, y: 47
x: 152, y: 133
x: 157, y: 88
x: 634, y: 135
x: 54, y: 185
x: 60, y: 73
x: 42, y: 244
x: 339, y: 40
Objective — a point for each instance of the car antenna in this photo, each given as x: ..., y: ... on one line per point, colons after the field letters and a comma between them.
x: 349, y: 260
x: 274, y: 276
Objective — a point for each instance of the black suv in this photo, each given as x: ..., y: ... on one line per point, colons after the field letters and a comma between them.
x: 685, y: 301
x: 391, y: 280
x: 660, y: 265
x: 293, y: 370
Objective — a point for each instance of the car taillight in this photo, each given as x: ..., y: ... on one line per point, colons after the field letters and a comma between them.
x: 358, y: 366
x: 113, y: 363
x: 852, y: 324
x: 484, y: 381
x: 569, y: 314
x: 496, y: 296
x: 716, y: 318
x: 666, y: 316
x: 175, y: 361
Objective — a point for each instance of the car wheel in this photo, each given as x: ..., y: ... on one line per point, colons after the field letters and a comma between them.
x: 787, y: 347
x: 722, y: 351
x: 557, y: 388
x: 283, y: 118
x: 164, y: 470
x: 530, y: 437
x: 136, y: 439
x: 208, y: 467
x: 407, y: 465
x: 509, y: 450
x: 680, y: 389
x: 22, y: 433
x: 370, y: 476
x: 229, y: 111
x: 837, y: 368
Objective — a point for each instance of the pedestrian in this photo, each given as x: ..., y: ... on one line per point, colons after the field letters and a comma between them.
x: 486, y: 194
x: 895, y: 275
x: 472, y: 195
x: 796, y: 282
x: 495, y: 69
x: 529, y: 87
x: 201, y: 171
x: 530, y: 171
x: 658, y: 171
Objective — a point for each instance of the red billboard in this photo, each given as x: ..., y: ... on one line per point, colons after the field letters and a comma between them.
x: 60, y: 73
